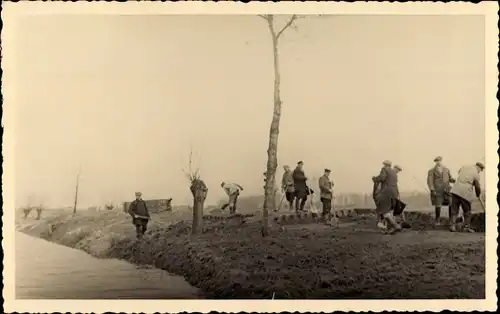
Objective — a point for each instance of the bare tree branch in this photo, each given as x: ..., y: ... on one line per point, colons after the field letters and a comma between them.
x: 191, y: 174
x: 288, y: 24
x: 265, y: 17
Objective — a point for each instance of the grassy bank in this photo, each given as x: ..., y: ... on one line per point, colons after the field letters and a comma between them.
x: 298, y: 260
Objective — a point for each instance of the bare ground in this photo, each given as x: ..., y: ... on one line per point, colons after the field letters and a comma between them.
x: 300, y: 259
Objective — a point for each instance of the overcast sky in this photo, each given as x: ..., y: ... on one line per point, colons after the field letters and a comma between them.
x: 126, y: 97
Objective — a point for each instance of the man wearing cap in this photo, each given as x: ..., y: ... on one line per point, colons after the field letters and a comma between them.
x: 388, y: 180
x: 438, y: 181
x: 287, y: 186
x: 140, y: 215
x: 300, y: 186
x: 397, y: 205
x: 326, y: 195
x: 464, y: 191
x: 232, y: 190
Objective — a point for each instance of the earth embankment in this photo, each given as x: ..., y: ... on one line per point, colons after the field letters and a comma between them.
x: 300, y: 259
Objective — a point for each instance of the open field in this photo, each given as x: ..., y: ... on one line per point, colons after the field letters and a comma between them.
x: 300, y: 259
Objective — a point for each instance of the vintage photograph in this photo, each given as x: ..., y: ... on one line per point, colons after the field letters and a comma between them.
x: 258, y: 156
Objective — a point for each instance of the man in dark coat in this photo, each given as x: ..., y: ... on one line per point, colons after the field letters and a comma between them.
x: 140, y: 215
x: 438, y: 181
x: 388, y: 180
x: 300, y: 186
x: 397, y: 205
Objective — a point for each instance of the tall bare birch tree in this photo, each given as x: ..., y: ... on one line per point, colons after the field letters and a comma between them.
x: 272, y: 150
x: 76, y: 190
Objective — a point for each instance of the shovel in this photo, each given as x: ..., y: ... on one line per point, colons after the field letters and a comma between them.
x: 281, y: 202
x: 482, y: 204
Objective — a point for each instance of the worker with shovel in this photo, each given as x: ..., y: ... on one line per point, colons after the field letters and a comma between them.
x: 140, y: 215
x: 397, y: 205
x: 326, y: 195
x: 233, y: 191
x: 389, y: 190
x: 462, y: 194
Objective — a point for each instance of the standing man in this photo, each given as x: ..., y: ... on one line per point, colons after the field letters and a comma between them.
x: 287, y: 186
x: 377, y: 186
x: 462, y: 194
x: 233, y: 191
x: 300, y: 186
x: 438, y: 181
x: 140, y: 215
x: 389, y: 191
x: 398, y: 206
x: 39, y: 211
x: 326, y: 195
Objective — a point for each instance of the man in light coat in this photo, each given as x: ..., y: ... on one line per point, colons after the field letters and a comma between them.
x: 389, y: 190
x: 232, y: 190
x: 438, y: 181
x: 399, y: 206
x: 287, y: 186
x: 377, y: 186
x: 326, y: 195
x: 466, y: 189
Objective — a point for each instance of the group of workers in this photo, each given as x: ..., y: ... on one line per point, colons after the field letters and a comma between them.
x: 466, y: 188
x: 389, y: 206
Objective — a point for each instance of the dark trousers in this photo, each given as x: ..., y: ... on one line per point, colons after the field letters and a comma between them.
x: 290, y: 196
x: 300, y: 201
x: 458, y: 202
x: 327, y: 207
x: 233, y: 201
x: 141, y: 225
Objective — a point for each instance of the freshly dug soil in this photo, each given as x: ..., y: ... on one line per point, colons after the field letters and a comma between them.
x: 303, y: 260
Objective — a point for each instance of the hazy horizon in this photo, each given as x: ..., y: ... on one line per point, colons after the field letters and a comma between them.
x: 126, y: 97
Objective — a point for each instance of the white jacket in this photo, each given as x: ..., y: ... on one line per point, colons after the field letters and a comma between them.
x: 464, y: 185
x: 231, y: 188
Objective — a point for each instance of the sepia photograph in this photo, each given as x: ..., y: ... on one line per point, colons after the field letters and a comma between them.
x: 225, y: 151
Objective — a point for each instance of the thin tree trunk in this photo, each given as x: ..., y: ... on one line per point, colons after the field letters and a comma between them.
x: 272, y: 151
x: 76, y: 193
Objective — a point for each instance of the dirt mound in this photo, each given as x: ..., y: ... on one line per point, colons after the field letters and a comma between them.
x: 424, y: 221
x: 315, y: 262
x: 298, y: 260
